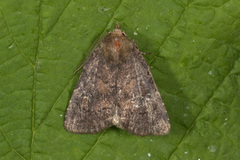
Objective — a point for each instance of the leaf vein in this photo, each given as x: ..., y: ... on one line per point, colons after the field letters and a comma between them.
x: 14, y: 40
x: 204, y: 107
x: 224, y: 134
x: 53, y: 105
x: 169, y: 34
x: 50, y: 29
x: 35, y: 79
x: 94, y: 144
x: 14, y: 150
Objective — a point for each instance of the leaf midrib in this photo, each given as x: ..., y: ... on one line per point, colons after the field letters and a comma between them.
x: 35, y: 77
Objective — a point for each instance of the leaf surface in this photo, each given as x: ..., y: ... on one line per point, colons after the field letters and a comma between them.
x: 195, y: 46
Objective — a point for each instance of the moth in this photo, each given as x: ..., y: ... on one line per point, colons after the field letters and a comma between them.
x: 117, y: 88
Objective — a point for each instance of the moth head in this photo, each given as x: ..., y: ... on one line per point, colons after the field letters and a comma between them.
x: 117, y: 32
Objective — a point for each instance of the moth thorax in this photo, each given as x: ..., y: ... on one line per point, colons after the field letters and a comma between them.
x: 117, y: 49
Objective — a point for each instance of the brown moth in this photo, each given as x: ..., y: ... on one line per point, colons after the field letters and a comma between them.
x: 116, y: 88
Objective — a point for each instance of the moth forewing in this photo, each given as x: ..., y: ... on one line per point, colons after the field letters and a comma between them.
x: 116, y: 87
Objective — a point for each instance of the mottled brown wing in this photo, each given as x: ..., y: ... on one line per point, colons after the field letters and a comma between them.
x: 91, y: 106
x: 140, y: 107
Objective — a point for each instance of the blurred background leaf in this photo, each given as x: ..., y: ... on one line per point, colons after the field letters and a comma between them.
x: 195, y: 46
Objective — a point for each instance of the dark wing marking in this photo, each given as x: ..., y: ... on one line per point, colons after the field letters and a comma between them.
x: 140, y: 108
x: 91, y: 106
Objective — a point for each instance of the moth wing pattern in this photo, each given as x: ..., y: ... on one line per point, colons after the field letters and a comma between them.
x: 91, y: 106
x: 140, y: 107
x: 116, y: 87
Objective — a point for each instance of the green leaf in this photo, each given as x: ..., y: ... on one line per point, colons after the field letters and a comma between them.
x: 195, y: 48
